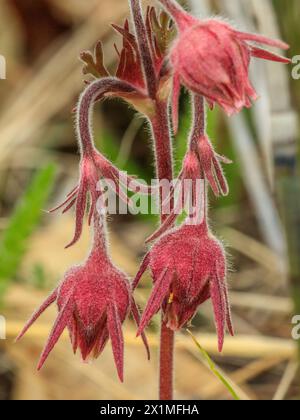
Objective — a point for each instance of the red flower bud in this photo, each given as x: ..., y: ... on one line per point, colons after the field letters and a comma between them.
x: 212, y: 59
x: 188, y: 267
x: 93, y: 300
x: 201, y: 163
x: 94, y: 167
x: 209, y: 163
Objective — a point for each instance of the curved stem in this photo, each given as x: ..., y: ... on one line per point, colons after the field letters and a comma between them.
x: 144, y: 48
x: 86, y: 102
x: 163, y: 150
x: 199, y: 119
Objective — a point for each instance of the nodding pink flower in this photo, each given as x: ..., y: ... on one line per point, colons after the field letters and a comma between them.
x: 94, y: 167
x: 201, y: 163
x: 93, y: 300
x: 212, y: 59
x: 208, y: 165
x: 188, y: 266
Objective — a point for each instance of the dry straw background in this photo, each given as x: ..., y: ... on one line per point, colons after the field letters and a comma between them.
x: 41, y: 43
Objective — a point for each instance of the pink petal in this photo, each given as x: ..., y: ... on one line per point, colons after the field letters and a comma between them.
x: 69, y: 206
x: 50, y: 299
x: 217, y: 297
x: 69, y: 197
x: 223, y: 159
x: 267, y: 55
x: 136, y: 315
x: 116, y: 336
x: 262, y: 40
x: 222, y: 281
x: 102, y: 340
x: 74, y: 336
x: 220, y: 177
x: 92, y: 206
x: 228, y: 312
x: 142, y: 269
x: 158, y: 294
x: 169, y: 221
x: 211, y: 179
x: 80, y: 210
x: 61, y: 322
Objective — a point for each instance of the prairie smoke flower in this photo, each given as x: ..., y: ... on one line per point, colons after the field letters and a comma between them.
x: 94, y: 167
x: 202, y: 161
x: 200, y: 164
x: 188, y: 266
x: 93, y: 300
x: 94, y: 170
x: 212, y: 58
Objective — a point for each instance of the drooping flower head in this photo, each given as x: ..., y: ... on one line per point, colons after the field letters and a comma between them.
x: 129, y: 84
x: 188, y: 266
x: 96, y: 174
x: 93, y: 300
x: 212, y: 58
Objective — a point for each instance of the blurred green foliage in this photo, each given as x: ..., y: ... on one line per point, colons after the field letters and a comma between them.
x: 204, y: 356
x: 110, y: 147
x: 22, y: 223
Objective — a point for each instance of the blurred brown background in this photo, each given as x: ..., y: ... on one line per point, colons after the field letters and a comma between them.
x: 259, y: 221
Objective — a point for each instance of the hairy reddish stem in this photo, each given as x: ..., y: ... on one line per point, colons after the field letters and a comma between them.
x: 166, y: 363
x: 85, y: 106
x: 163, y: 152
x: 199, y: 119
x: 162, y: 142
x: 144, y: 48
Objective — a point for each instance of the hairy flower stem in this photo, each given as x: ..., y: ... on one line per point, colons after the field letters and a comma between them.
x: 162, y: 143
x: 163, y: 151
x: 163, y: 154
x: 144, y: 48
x: 166, y: 362
x: 199, y: 119
x: 85, y: 106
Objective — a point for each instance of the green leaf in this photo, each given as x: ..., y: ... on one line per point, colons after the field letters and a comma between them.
x: 22, y: 223
x: 213, y: 368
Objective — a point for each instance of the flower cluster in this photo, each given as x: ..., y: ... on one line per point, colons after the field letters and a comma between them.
x: 187, y: 263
